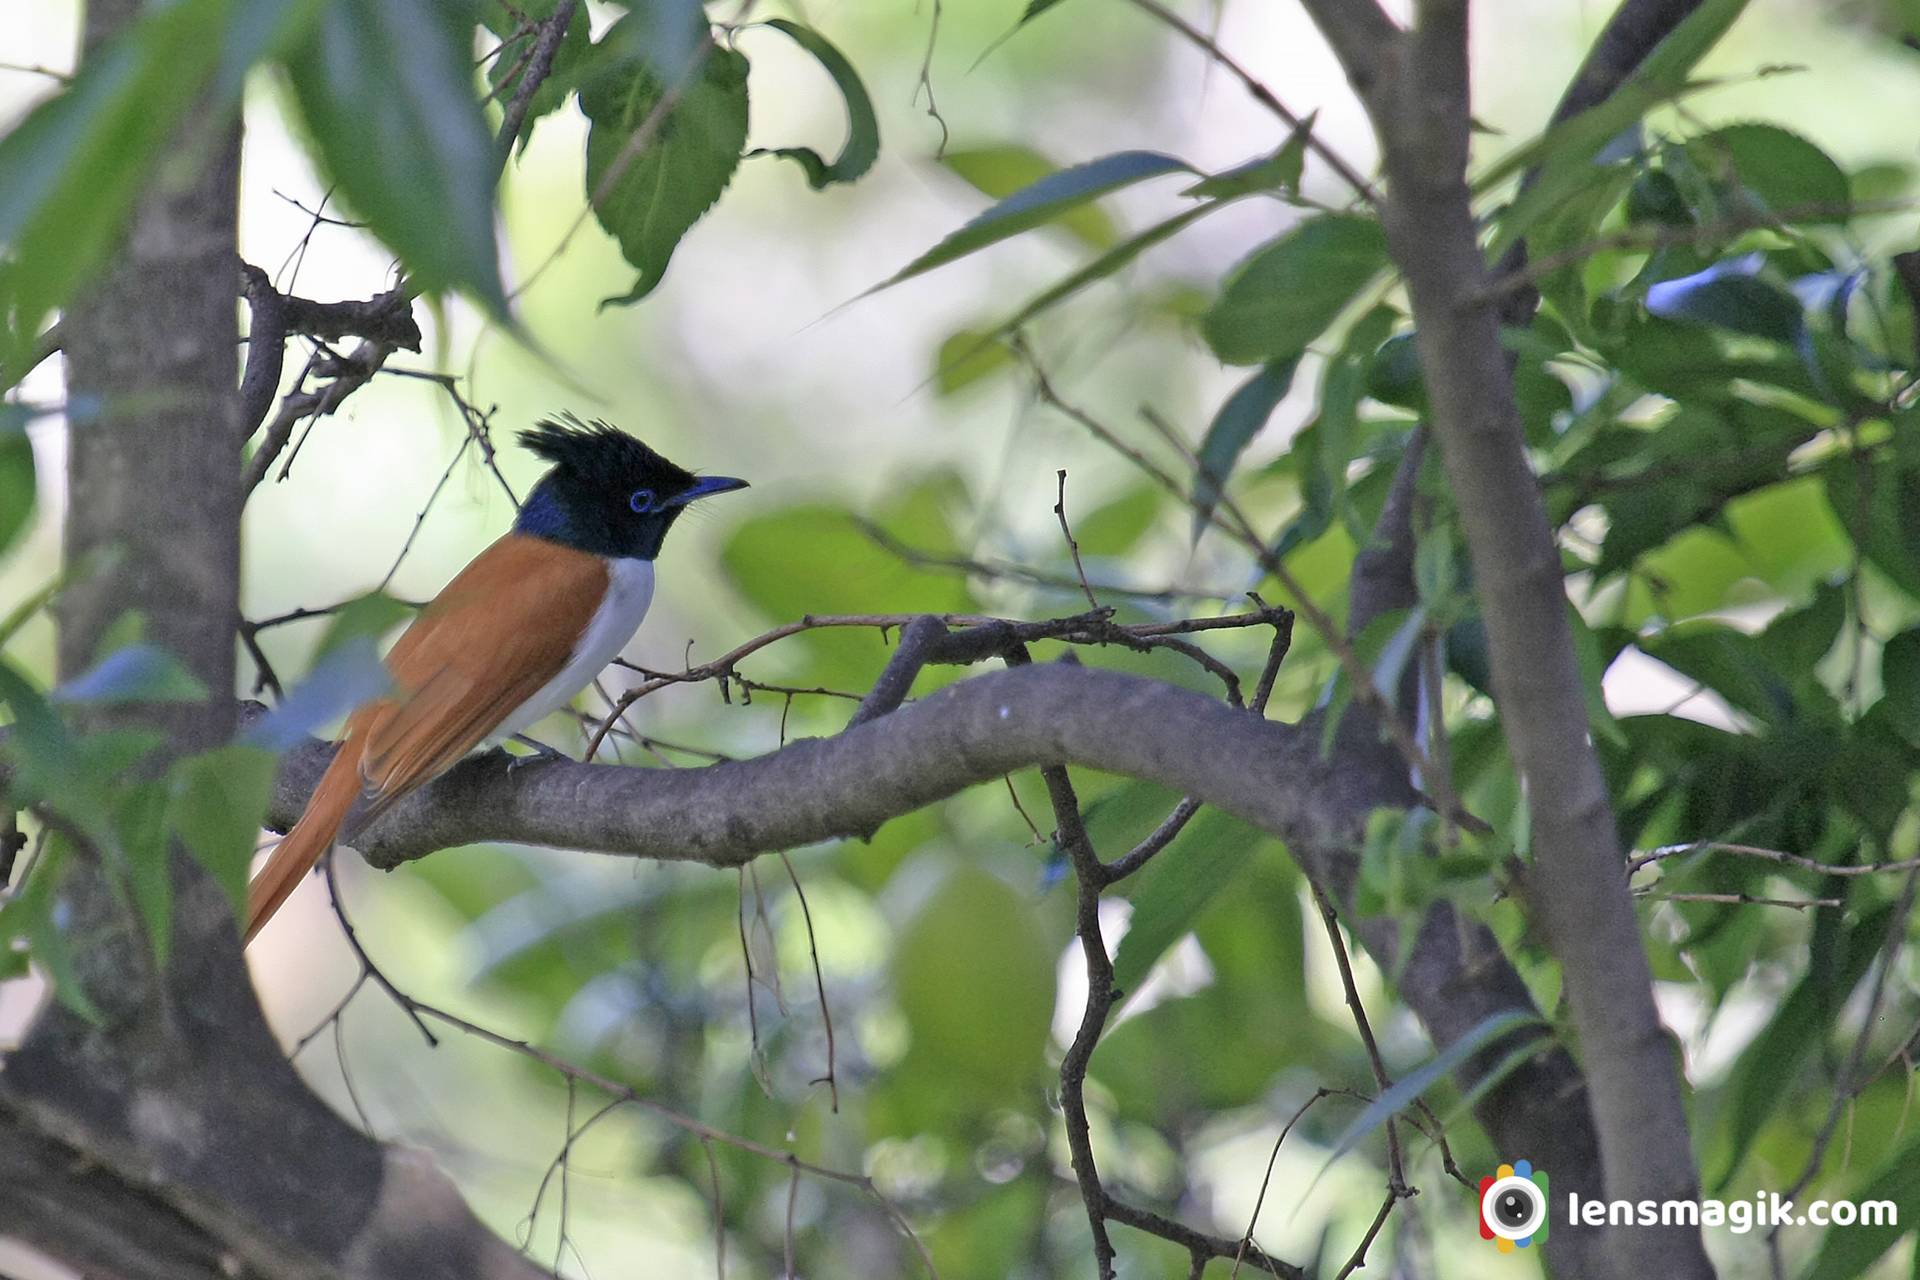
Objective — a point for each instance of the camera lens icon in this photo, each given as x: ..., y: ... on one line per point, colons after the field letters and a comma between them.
x: 1513, y: 1206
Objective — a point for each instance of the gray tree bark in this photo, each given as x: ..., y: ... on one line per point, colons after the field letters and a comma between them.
x: 1416, y: 87
x: 177, y: 1117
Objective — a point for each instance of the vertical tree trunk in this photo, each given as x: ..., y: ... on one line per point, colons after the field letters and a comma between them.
x: 179, y: 1094
x: 153, y: 476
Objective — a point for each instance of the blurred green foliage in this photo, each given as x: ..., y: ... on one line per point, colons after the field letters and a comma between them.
x: 1718, y: 394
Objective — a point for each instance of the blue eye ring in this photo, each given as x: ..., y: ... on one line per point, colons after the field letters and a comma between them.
x: 642, y: 501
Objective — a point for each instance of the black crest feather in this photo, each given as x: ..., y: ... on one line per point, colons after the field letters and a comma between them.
x: 598, y: 449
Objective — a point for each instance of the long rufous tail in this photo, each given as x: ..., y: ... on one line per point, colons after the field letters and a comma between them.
x: 309, y: 839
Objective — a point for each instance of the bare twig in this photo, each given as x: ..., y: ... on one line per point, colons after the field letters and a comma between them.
x: 407, y: 1004
x: 984, y: 637
x: 1851, y: 1078
x: 538, y: 66
x: 1738, y: 899
x: 1642, y: 860
x: 1263, y: 95
x: 1073, y: 548
x: 1230, y: 519
x: 830, y: 1079
x: 1266, y: 1179
x: 719, y: 1214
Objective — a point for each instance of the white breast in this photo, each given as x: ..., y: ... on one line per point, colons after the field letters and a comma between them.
x: 629, y: 592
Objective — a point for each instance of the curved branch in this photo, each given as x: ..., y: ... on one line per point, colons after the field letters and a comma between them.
x: 1268, y: 774
x: 1450, y: 970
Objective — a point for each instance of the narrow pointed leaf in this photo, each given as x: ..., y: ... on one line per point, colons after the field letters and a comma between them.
x: 1240, y: 419
x: 1099, y: 269
x: 1032, y: 206
x: 1391, y: 1102
x: 17, y: 480
x: 1000, y: 169
x: 136, y: 673
x: 862, y: 146
x: 386, y: 89
x: 1729, y: 295
x: 1285, y: 295
x: 71, y: 170
x: 217, y: 801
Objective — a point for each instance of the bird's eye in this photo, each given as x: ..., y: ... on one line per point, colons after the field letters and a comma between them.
x: 642, y: 501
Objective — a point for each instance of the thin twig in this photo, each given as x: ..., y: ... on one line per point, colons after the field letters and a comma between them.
x: 1642, y: 860
x: 1073, y: 548
x: 719, y: 1214
x: 1850, y: 1079
x: 831, y: 1080
x: 408, y: 1005
x: 1266, y: 1179
x: 984, y: 638
x: 1263, y: 95
x: 1738, y: 899
x: 539, y: 65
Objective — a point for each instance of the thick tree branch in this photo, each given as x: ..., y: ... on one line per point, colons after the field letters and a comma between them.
x: 1451, y: 971
x: 821, y: 789
x: 57, y: 1200
x: 1364, y: 38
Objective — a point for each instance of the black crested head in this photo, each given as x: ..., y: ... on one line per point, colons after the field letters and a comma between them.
x: 607, y: 492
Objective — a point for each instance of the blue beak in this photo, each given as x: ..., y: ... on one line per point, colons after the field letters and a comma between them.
x: 705, y: 487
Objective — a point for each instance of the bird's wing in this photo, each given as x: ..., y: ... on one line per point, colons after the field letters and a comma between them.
x: 492, y: 639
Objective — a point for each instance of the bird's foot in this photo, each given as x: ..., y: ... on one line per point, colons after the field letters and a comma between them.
x: 542, y: 753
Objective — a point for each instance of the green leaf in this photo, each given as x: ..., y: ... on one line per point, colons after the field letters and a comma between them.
x: 507, y: 69
x: 1287, y: 293
x: 216, y: 803
x: 1851, y: 1251
x: 140, y: 828
x: 965, y: 357
x: 1394, y: 377
x: 386, y: 89
x: 974, y: 977
x: 32, y: 915
x: 1100, y: 268
x: 1279, y: 171
x: 653, y: 197
x: 1779, y: 169
x: 1656, y: 198
x: 17, y: 483
x: 1391, y: 1102
x: 1796, y: 640
x: 1041, y: 202
x: 1900, y: 682
x: 1000, y: 170
x: 1240, y: 418
x: 1879, y: 507
x: 37, y: 743
x: 370, y: 616
x: 1729, y: 295
x: 136, y: 673
x: 72, y: 169
x: 1035, y: 8
x: 1762, y: 1078
x: 863, y: 129
x: 1662, y: 74
x: 1564, y: 154
x: 1176, y: 886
